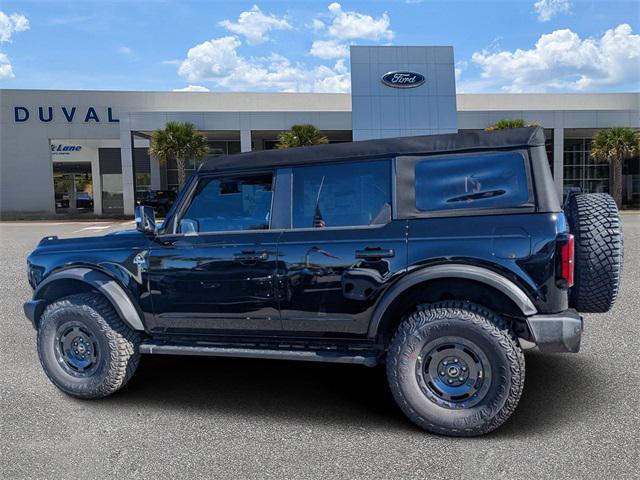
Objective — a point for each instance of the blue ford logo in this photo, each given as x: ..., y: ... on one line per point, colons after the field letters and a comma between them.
x: 403, y: 79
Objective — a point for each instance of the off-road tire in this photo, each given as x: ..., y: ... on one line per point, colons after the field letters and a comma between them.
x: 599, y: 249
x: 455, y: 319
x: 116, y: 343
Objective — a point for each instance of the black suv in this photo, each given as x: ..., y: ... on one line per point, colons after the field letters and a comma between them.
x: 440, y: 256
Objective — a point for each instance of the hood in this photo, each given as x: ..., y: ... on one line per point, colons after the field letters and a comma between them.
x: 116, y: 240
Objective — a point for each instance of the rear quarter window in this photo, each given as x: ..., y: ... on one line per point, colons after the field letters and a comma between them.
x: 491, y: 180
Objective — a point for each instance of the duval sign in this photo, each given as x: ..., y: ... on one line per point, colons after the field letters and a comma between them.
x: 402, y: 79
x: 47, y: 114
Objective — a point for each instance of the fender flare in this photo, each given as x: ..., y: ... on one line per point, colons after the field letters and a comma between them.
x: 469, y: 272
x: 104, y: 284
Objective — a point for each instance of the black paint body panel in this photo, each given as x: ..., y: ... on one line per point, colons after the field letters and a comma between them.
x: 316, y: 282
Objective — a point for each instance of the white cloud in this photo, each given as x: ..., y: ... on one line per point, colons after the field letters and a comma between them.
x: 460, y: 67
x: 211, y: 59
x: 346, y: 27
x: 352, y: 25
x: 317, y: 25
x: 6, y: 70
x: 125, y: 51
x: 547, y: 9
x: 328, y: 49
x: 254, y: 25
x: 192, y: 88
x: 218, y: 61
x: 331, y: 80
x: 561, y: 60
x: 10, y: 24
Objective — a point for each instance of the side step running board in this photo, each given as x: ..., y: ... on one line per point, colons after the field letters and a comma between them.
x: 369, y: 359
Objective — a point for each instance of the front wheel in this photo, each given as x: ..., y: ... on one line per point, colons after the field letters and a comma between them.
x: 84, y: 347
x: 455, y: 369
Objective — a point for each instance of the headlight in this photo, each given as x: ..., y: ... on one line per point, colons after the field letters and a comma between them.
x: 34, y: 273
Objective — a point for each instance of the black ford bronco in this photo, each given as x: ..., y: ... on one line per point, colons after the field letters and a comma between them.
x: 441, y: 257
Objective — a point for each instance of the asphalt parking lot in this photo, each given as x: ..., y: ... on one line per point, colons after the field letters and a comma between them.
x: 222, y: 418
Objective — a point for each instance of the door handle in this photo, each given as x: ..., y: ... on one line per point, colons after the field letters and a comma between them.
x: 250, y: 256
x: 375, y: 253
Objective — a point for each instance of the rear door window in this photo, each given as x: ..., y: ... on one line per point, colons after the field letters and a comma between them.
x: 491, y: 180
x: 342, y: 195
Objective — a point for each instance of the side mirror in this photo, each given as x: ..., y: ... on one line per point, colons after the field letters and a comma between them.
x: 145, y: 219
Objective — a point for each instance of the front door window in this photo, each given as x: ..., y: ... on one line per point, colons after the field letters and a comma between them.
x: 230, y: 204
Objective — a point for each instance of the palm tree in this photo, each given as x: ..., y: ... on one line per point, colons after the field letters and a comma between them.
x: 507, y: 123
x: 178, y: 141
x: 301, y: 136
x: 615, y: 145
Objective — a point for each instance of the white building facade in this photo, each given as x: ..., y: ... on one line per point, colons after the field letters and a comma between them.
x: 69, y: 152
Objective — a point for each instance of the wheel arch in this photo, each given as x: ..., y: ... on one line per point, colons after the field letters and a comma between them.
x: 441, y: 282
x: 82, y: 279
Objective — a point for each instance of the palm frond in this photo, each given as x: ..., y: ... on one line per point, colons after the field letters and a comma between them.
x: 301, y: 136
x: 614, y: 145
x: 178, y: 141
x: 506, y: 123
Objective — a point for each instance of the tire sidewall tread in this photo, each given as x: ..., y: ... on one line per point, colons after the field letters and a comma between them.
x: 118, y: 344
x: 482, y: 327
x: 599, y: 251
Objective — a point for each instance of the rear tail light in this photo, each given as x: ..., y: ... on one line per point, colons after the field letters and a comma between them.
x: 565, y: 265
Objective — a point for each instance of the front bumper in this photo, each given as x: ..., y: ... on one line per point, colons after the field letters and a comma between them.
x: 558, y: 332
x: 33, y: 309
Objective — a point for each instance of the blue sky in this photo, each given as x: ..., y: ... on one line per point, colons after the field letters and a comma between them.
x: 500, y: 46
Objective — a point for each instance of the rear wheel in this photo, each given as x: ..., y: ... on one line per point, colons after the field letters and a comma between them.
x: 454, y: 368
x: 84, y: 347
x: 596, y: 226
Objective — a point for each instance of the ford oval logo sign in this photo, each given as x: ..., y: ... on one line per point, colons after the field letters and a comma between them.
x: 403, y: 79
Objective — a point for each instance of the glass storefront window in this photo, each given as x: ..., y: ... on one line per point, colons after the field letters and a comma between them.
x: 112, y: 200
x: 548, y: 146
x: 143, y: 182
x: 591, y: 175
x: 634, y: 200
x: 73, y: 187
x: 217, y: 147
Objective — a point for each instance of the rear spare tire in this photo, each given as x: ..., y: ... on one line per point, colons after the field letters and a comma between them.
x: 596, y: 226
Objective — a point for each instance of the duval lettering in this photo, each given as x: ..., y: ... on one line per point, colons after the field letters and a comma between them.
x: 48, y: 114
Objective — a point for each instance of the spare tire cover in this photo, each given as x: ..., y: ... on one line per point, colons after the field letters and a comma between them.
x: 596, y: 226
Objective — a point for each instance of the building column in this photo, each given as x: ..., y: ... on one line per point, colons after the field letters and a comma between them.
x: 245, y: 140
x: 155, y: 174
x: 126, y: 158
x: 96, y: 184
x: 558, y: 160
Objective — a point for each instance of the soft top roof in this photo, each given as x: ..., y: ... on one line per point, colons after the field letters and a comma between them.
x: 386, y: 147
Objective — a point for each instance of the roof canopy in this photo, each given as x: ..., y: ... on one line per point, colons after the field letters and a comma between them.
x: 387, y: 147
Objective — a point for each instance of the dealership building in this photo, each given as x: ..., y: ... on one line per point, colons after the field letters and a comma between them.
x: 67, y: 151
